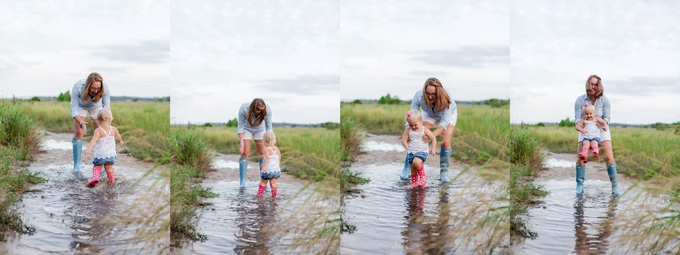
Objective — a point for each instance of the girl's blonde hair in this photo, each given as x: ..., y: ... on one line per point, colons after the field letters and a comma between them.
x: 586, y: 107
x: 86, y: 89
x: 269, y: 139
x: 413, y: 115
x: 105, y: 116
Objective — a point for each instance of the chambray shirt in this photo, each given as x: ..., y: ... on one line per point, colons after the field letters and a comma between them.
x: 77, y: 98
x: 266, y: 125
x: 602, y: 107
x: 446, y: 115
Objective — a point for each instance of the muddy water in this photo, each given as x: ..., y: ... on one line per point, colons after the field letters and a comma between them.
x: 72, y: 218
x: 398, y: 220
x: 588, y: 224
x: 237, y: 222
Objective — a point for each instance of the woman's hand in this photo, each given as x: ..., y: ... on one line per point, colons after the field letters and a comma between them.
x: 83, y: 125
x: 240, y: 148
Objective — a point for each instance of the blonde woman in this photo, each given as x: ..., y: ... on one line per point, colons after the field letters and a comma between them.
x: 88, y: 96
x: 254, y: 119
x: 595, y: 96
x: 438, y: 107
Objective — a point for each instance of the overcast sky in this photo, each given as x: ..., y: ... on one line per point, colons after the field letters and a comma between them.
x: 632, y: 45
x: 394, y: 46
x: 46, y: 46
x: 226, y: 53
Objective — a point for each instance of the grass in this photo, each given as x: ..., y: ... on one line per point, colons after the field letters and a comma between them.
x: 19, y: 140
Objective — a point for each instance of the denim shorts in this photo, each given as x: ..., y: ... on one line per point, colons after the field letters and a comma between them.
x: 104, y: 161
x: 422, y: 155
x: 597, y: 139
x: 270, y: 175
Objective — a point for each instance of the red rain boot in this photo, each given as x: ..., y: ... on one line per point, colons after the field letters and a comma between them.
x: 583, y: 155
x: 596, y: 153
x: 423, y: 177
x: 110, y: 176
x: 274, y: 192
x: 260, y: 190
x: 96, y: 171
x: 414, y: 181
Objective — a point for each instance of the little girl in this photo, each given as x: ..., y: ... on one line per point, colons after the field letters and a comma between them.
x: 105, y: 149
x: 415, y: 141
x: 271, y: 170
x: 589, y: 127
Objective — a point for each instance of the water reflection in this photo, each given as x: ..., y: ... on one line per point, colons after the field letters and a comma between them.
x: 254, y: 220
x: 593, y: 238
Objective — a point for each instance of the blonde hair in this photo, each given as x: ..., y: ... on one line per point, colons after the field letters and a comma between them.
x: 600, y: 88
x: 105, y: 116
x: 88, y: 83
x: 269, y: 139
x: 413, y: 115
x: 586, y: 107
x: 442, y: 100
x: 256, y: 104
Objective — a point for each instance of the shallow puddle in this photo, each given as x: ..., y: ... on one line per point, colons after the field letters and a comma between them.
x: 381, y: 146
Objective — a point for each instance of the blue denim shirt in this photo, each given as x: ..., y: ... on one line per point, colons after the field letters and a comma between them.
x: 77, y: 98
x: 447, y: 115
x: 266, y: 125
x: 602, y: 107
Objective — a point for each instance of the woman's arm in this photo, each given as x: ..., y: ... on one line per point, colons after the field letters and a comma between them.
x: 94, y: 140
x: 268, y: 120
x: 578, y: 105
x: 75, y: 94
x: 448, y: 115
x: 405, y: 137
x: 241, y: 120
x: 433, y: 139
x: 606, y: 109
x: 106, y: 98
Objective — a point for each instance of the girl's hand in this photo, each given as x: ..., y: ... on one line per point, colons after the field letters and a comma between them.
x: 87, y: 152
x: 433, y: 151
x: 264, y: 169
x: 240, y: 148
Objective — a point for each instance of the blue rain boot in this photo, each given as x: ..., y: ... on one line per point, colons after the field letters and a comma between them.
x: 611, y: 170
x: 406, y: 173
x: 77, y: 149
x: 444, y: 158
x: 580, y: 177
x: 242, y: 167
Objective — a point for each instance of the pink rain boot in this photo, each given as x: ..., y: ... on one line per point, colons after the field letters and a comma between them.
x: 96, y: 171
x: 414, y: 181
x: 274, y: 192
x: 109, y: 174
x: 423, y: 177
x: 260, y: 190
x: 583, y: 155
x: 596, y: 153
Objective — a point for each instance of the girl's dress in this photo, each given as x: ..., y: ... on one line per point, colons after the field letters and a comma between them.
x: 592, y: 132
x: 273, y: 168
x: 105, y: 149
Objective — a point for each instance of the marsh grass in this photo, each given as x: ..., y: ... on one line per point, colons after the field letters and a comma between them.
x: 478, y: 220
x: 19, y: 140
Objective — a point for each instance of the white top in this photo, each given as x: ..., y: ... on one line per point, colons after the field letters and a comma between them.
x: 106, y: 146
x: 273, y: 163
x: 591, y: 129
x: 416, y: 143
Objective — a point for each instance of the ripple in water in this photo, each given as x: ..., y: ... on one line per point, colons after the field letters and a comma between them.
x: 381, y: 146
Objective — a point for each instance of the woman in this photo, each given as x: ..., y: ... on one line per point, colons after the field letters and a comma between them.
x: 87, y: 96
x: 595, y: 96
x: 254, y: 119
x: 438, y: 107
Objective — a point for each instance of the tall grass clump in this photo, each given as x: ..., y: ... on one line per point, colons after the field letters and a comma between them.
x: 19, y: 140
x: 191, y: 159
x: 350, y: 137
x: 526, y: 159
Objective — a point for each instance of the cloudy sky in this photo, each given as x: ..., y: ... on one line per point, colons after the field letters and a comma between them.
x: 46, y: 46
x: 394, y: 46
x: 226, y: 53
x: 632, y: 45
